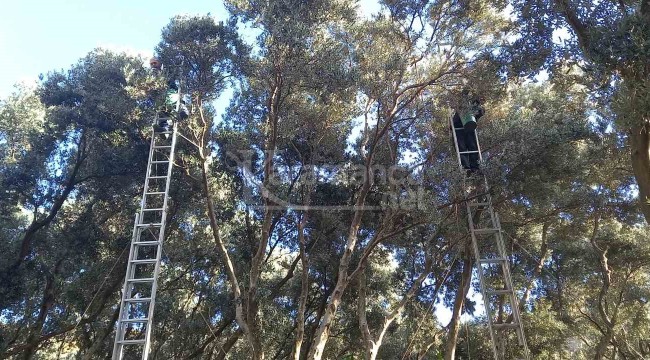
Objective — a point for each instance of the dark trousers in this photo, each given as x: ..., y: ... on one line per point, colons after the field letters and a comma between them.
x: 466, y: 142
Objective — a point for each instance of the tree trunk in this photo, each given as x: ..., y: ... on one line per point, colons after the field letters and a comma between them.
x: 8, y: 275
x: 603, y: 310
x: 99, y: 340
x: 304, y: 290
x: 241, y: 316
x: 639, y: 139
x: 603, y: 344
x: 459, y: 302
x: 230, y: 269
x: 319, y: 315
x: 223, y: 350
x: 369, y: 346
x: 322, y: 334
x: 46, y: 304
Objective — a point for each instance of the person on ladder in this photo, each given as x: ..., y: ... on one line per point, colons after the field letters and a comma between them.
x: 470, y: 109
x: 167, y: 107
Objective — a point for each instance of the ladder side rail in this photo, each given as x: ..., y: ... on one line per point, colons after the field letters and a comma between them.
x: 486, y: 300
x: 480, y: 161
x: 453, y: 132
x: 507, y: 277
x: 119, y: 334
x: 504, y: 264
x: 478, y: 147
x: 133, y: 255
x: 143, y: 201
x: 477, y: 253
x: 161, y: 236
x: 514, y: 299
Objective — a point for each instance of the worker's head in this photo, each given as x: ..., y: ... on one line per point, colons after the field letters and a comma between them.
x: 478, y: 100
x: 155, y: 63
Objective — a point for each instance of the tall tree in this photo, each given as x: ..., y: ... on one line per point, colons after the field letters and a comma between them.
x: 609, y: 44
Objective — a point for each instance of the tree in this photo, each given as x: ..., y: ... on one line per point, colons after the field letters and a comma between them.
x: 610, y: 47
x: 80, y: 127
x: 321, y: 214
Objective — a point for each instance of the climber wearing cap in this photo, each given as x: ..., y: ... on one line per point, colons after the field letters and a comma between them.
x: 168, y: 106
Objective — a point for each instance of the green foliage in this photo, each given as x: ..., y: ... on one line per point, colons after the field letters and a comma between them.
x: 201, y: 53
x: 325, y: 90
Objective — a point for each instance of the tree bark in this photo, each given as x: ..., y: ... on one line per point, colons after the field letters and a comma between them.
x: 369, y: 346
x: 639, y: 139
x: 99, y: 340
x: 46, y: 304
x: 459, y: 302
x: 304, y: 290
x: 36, y: 225
x: 322, y: 334
x: 223, y: 350
x: 230, y: 269
x: 204, y: 152
x: 603, y: 309
x: 372, y: 345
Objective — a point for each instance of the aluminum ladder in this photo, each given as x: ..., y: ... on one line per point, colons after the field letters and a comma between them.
x: 499, y: 298
x: 135, y: 321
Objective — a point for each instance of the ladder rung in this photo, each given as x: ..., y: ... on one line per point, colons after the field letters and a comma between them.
x: 144, y: 299
x: 149, y: 225
x: 486, y: 230
x: 155, y: 193
x: 505, y: 326
x: 459, y: 128
x: 144, y: 261
x: 141, y: 280
x: 159, y: 162
x: 157, y: 177
x: 492, y: 261
x: 498, y: 292
x: 162, y: 147
x: 131, y: 342
x: 468, y: 152
x: 153, y: 209
x: 140, y: 320
x: 146, y: 243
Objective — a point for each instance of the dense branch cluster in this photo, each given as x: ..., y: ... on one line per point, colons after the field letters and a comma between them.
x: 318, y: 214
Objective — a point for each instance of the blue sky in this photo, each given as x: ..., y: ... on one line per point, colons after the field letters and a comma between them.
x: 38, y: 36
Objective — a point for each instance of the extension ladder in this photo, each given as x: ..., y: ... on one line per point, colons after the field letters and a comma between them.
x: 134, y: 324
x: 499, y: 298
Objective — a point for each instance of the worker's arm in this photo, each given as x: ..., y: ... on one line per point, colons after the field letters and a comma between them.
x: 171, y: 84
x: 480, y: 111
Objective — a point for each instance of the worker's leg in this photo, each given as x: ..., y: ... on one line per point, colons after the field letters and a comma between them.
x: 471, y: 144
x: 183, y: 113
x: 462, y: 146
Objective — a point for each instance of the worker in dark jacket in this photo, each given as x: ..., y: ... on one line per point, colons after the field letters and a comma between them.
x: 465, y: 119
x: 167, y: 107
